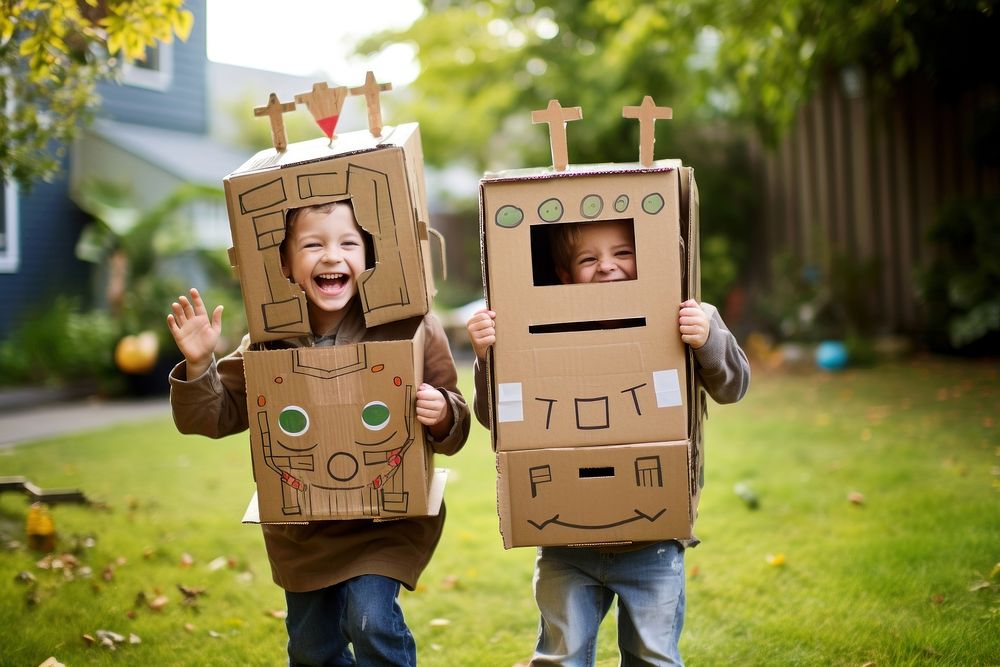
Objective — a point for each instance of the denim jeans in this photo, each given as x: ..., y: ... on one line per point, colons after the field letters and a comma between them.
x: 361, y: 612
x: 574, y: 589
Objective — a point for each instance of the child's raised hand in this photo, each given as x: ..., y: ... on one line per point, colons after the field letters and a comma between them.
x: 433, y: 410
x: 482, y: 331
x: 693, y: 324
x: 194, y: 332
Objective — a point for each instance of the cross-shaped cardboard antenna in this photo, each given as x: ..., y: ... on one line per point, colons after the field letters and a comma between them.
x: 372, y: 90
x: 274, y: 110
x: 324, y: 103
x: 556, y: 117
x: 647, y: 113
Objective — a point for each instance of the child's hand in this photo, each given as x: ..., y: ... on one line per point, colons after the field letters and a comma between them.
x: 693, y: 324
x: 433, y: 410
x: 195, y: 334
x: 482, y: 331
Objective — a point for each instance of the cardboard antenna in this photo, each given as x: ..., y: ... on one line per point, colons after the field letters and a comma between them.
x: 556, y: 117
x: 274, y: 110
x: 647, y: 113
x: 324, y: 103
x: 372, y: 90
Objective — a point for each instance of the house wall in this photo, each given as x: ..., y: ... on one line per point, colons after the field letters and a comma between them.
x: 867, y: 179
x: 49, y: 225
x: 183, y: 104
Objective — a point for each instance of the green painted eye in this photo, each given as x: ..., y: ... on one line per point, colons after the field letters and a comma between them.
x: 591, y: 206
x: 375, y: 415
x: 653, y: 203
x: 509, y: 216
x: 293, y: 420
x: 621, y: 203
x: 550, y: 210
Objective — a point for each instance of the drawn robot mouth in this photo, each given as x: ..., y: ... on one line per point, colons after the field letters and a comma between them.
x: 307, y: 448
x: 556, y: 521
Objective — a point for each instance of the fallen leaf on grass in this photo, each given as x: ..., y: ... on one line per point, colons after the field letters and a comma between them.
x: 190, y: 593
x: 189, y: 627
x: 440, y: 622
x: 276, y: 613
x: 856, y: 498
x: 24, y: 577
x: 996, y: 571
x: 451, y: 582
x: 979, y: 585
x: 695, y: 571
x: 217, y: 563
x: 51, y: 662
x: 937, y: 598
x: 776, y: 560
x: 158, y: 603
x: 187, y: 560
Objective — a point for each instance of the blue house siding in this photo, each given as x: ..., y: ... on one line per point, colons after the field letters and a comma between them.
x: 49, y: 223
x: 49, y: 227
x: 183, y: 105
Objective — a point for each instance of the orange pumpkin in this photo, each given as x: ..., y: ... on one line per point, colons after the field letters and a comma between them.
x: 137, y: 354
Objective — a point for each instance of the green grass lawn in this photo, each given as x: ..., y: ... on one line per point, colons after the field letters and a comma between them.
x: 906, y: 576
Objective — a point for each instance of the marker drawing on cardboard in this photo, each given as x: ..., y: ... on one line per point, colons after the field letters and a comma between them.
x: 333, y: 430
x: 593, y: 413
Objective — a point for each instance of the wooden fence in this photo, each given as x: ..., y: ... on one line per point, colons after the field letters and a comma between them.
x: 867, y: 178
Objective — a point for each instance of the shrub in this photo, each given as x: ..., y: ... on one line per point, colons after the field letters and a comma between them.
x: 960, y: 286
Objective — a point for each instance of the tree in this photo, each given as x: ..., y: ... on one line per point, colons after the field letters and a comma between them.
x: 52, y: 53
x: 485, y: 65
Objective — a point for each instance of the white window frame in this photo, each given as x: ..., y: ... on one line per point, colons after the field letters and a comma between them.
x: 158, y: 79
x: 10, y: 255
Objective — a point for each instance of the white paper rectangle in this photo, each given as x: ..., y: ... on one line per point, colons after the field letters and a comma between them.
x: 510, y: 407
x: 667, y: 388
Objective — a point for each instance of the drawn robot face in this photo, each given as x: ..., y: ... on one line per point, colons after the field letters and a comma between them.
x: 616, y: 492
x: 337, y: 428
x: 590, y: 352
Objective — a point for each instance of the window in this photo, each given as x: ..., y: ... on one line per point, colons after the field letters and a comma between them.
x: 9, y: 255
x: 154, y: 71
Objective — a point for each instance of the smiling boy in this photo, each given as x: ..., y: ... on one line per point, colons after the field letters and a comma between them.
x: 341, y: 577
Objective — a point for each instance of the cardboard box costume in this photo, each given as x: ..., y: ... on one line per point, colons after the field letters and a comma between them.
x: 333, y: 429
x: 594, y: 414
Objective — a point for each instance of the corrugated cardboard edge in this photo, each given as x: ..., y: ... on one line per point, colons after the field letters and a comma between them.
x: 435, y: 498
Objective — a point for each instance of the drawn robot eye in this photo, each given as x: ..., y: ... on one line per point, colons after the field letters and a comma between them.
x: 294, y: 420
x: 375, y: 415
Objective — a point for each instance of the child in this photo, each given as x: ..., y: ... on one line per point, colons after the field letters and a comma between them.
x: 575, y: 586
x: 341, y: 577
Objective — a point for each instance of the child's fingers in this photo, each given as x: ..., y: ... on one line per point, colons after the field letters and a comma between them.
x: 217, y: 317
x: 178, y: 313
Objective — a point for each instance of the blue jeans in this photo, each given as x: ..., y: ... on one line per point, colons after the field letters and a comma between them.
x: 362, y: 612
x: 574, y: 588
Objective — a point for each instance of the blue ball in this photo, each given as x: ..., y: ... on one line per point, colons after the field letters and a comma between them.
x: 831, y: 355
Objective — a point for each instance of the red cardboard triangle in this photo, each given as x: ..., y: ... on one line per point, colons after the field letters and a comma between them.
x: 328, y: 125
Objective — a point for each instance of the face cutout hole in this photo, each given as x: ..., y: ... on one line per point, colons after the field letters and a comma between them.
x: 552, y: 244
